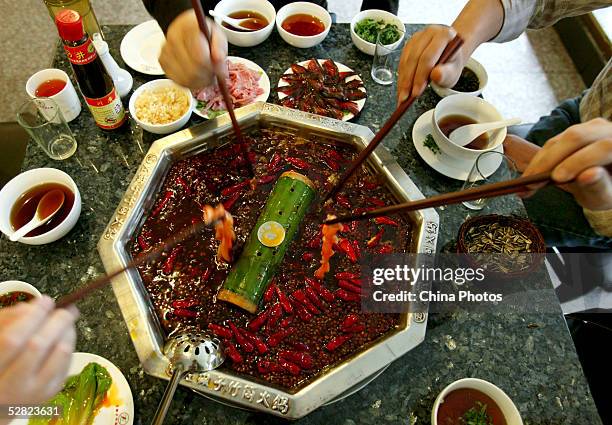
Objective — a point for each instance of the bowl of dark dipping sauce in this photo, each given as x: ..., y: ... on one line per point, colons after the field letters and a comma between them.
x: 474, y: 401
x: 20, y: 198
x: 473, y: 80
x: 15, y: 291
x: 303, y: 24
x: 260, y: 16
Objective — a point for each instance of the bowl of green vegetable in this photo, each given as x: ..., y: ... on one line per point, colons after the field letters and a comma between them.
x: 366, y: 25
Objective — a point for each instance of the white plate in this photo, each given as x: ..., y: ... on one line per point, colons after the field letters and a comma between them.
x: 119, y: 413
x: 264, y: 82
x: 341, y: 68
x: 444, y: 164
x: 141, y: 46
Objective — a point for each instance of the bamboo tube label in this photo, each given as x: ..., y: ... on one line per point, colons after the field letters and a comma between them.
x: 271, y: 234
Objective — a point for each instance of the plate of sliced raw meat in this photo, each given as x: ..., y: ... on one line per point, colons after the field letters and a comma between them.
x: 323, y: 87
x: 246, y: 82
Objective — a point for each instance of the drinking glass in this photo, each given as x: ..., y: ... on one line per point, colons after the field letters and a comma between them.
x: 477, y: 177
x: 44, y: 122
x: 385, y: 62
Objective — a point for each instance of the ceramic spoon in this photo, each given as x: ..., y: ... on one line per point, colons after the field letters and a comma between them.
x: 465, y: 134
x: 236, y: 23
x: 48, y: 206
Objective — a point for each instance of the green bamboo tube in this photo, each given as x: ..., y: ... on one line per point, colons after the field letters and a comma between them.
x: 287, y: 205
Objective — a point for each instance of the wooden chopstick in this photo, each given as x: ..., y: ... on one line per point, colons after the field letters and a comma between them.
x: 199, y: 11
x: 453, y: 46
x: 520, y: 184
x: 141, y: 259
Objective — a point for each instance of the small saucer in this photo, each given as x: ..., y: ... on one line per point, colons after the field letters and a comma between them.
x: 454, y: 168
x: 141, y: 46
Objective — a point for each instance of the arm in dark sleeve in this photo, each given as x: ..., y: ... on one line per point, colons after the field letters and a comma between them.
x: 164, y: 11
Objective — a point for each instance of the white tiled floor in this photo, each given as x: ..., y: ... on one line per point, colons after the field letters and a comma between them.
x: 532, y: 70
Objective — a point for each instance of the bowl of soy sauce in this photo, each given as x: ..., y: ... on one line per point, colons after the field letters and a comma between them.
x: 20, y: 198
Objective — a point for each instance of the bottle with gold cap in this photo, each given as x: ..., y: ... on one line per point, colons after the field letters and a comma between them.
x: 95, y: 84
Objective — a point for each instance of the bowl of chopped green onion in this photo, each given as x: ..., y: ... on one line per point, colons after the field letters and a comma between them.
x: 366, y: 26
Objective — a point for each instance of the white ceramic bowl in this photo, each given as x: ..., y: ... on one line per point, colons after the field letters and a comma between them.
x: 303, y: 42
x: 242, y: 38
x: 480, y: 72
x: 367, y: 47
x: 17, y: 285
x: 26, y: 181
x: 475, y: 108
x: 504, y: 402
x: 170, y: 127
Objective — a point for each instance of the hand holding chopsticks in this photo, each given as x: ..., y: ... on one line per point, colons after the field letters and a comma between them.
x: 448, y: 53
x: 518, y: 185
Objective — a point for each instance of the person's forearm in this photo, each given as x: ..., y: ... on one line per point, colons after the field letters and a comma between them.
x: 165, y: 11
x: 479, y: 22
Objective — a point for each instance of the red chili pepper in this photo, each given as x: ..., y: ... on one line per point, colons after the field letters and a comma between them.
x: 274, y: 161
x: 336, y: 342
x: 252, y: 156
x: 205, y: 275
x: 374, y: 240
x: 349, y: 321
x: 298, y: 163
x: 335, y: 155
x: 284, y: 301
x: 308, y: 256
x: 347, y: 296
x: 229, y: 202
x: 183, y: 183
x: 356, y: 282
x: 220, y: 331
x: 286, y: 321
x: 299, y: 346
x: 346, y: 275
x: 300, y: 358
x: 275, y: 314
x: 346, y: 247
x: 240, y: 339
x: 286, y: 366
x: 386, y: 220
x: 345, y: 284
x: 385, y: 249
x: 314, y: 298
x: 376, y: 201
x: 142, y: 243
x: 183, y: 312
x: 266, y: 179
x: 316, y: 241
x: 301, y: 311
x: 300, y: 296
x: 269, y: 293
x: 357, y: 248
x: 276, y: 338
x: 331, y: 164
x: 162, y: 203
x: 185, y: 303
x: 366, y: 184
x: 233, y: 353
x: 325, y: 293
x: 355, y: 328
x: 256, y: 341
x: 259, y: 320
x: 343, y: 201
x: 265, y: 366
x: 235, y: 188
x: 169, y: 263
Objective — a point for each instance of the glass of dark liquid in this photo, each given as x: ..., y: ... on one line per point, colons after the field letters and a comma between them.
x: 43, y: 120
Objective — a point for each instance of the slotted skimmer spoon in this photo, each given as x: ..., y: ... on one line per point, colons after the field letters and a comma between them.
x: 189, y: 352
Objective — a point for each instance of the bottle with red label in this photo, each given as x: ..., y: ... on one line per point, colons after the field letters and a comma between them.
x: 94, y: 82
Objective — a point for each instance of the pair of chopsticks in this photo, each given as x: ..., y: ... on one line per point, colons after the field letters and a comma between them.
x: 140, y: 260
x: 450, y: 50
x: 199, y: 11
x: 521, y: 184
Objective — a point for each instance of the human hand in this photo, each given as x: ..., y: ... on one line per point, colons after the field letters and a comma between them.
x: 186, y: 57
x: 419, y: 58
x: 37, y: 342
x: 581, y: 153
x: 520, y: 151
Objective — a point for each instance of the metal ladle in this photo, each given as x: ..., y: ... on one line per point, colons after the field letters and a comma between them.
x: 189, y: 352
